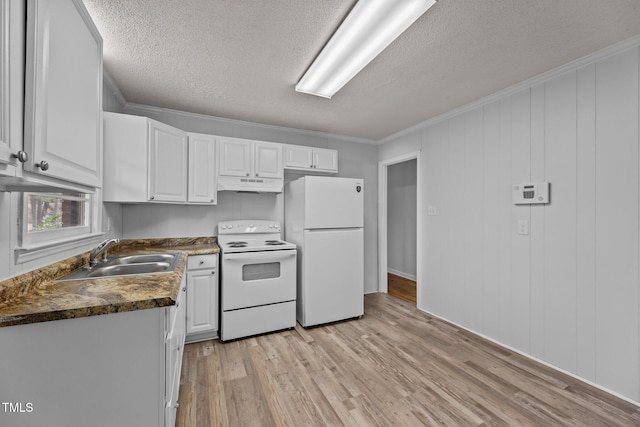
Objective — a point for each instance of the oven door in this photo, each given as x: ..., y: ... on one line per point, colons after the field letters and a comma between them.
x: 251, y: 279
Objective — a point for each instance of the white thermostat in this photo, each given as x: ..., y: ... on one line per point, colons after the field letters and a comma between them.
x: 531, y: 193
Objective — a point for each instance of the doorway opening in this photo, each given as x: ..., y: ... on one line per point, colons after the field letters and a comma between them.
x: 399, y: 230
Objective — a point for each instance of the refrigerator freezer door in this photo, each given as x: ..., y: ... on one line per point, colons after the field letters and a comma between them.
x: 333, y: 202
x: 332, y: 287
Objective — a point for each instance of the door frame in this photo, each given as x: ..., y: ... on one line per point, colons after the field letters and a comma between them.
x: 382, y: 221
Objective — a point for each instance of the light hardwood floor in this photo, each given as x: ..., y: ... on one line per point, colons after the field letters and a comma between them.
x: 401, y: 287
x: 396, y: 366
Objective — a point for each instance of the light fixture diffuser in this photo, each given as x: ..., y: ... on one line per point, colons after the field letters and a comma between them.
x: 369, y: 28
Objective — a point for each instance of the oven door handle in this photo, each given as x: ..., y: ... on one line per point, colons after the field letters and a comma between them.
x: 270, y: 256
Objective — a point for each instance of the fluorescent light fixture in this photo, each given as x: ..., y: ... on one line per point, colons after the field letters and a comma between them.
x: 369, y: 28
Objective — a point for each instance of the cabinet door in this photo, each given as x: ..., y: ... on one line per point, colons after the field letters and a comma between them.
x: 234, y: 157
x: 202, y: 301
x: 299, y: 157
x: 7, y: 162
x: 63, y: 92
x: 202, y: 169
x: 325, y: 160
x: 174, y: 347
x: 268, y: 160
x: 167, y: 163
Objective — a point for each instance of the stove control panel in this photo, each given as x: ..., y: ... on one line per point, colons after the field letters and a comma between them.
x: 248, y: 227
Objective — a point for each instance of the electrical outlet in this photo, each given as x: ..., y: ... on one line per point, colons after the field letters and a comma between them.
x: 432, y: 210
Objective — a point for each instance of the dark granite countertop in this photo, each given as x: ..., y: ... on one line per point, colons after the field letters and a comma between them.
x: 36, y: 296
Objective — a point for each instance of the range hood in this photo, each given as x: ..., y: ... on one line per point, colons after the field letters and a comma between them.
x: 251, y: 185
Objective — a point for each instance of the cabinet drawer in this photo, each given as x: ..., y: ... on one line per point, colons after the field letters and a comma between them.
x: 195, y: 262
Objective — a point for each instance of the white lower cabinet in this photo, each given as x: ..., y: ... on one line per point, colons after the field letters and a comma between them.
x: 174, y: 349
x: 202, y: 297
x: 120, y: 369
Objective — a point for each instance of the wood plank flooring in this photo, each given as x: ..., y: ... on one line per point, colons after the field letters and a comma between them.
x: 396, y: 366
x: 402, y: 288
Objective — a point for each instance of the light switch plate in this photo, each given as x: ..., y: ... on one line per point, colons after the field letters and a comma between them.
x: 523, y: 227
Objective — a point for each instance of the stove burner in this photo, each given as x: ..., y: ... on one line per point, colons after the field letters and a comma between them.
x: 237, y: 244
x: 274, y: 243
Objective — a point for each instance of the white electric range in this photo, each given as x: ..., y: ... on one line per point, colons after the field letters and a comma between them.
x: 258, y: 279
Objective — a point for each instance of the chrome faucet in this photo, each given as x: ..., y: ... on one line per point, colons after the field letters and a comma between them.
x: 99, y: 253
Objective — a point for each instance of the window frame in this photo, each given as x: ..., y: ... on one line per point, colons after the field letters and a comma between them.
x: 56, y: 234
x: 27, y: 250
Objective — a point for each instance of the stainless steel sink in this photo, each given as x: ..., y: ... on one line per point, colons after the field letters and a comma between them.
x: 124, y: 269
x: 126, y: 265
x: 145, y: 258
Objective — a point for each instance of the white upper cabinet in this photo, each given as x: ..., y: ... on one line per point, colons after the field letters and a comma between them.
x: 167, y: 163
x: 8, y: 48
x: 144, y: 160
x: 268, y: 160
x: 247, y: 158
x: 63, y: 92
x: 298, y: 157
x: 202, y: 187
x: 235, y: 157
x: 325, y: 160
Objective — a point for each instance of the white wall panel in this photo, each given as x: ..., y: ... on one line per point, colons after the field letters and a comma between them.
x: 560, y: 223
x: 455, y: 215
x: 491, y: 221
x: 617, y: 223
x: 585, y: 223
x: 473, y: 196
x: 537, y: 225
x: 568, y: 292
x: 446, y: 295
x: 518, y: 309
x: 432, y: 176
x: 504, y: 215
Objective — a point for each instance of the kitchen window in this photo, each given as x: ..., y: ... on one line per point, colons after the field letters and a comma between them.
x: 50, y: 217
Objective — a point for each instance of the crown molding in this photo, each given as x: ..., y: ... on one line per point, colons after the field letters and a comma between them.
x: 111, y: 84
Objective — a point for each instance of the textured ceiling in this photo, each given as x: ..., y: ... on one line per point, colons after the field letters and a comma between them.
x: 241, y: 59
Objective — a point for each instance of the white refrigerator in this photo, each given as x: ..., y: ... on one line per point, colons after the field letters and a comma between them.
x: 324, y: 218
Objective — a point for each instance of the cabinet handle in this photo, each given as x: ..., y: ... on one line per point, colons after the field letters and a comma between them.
x: 256, y: 174
x: 247, y: 173
x: 213, y: 272
x: 152, y: 197
x: 22, y: 156
x: 201, y: 262
x: 184, y: 289
x: 43, y: 165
